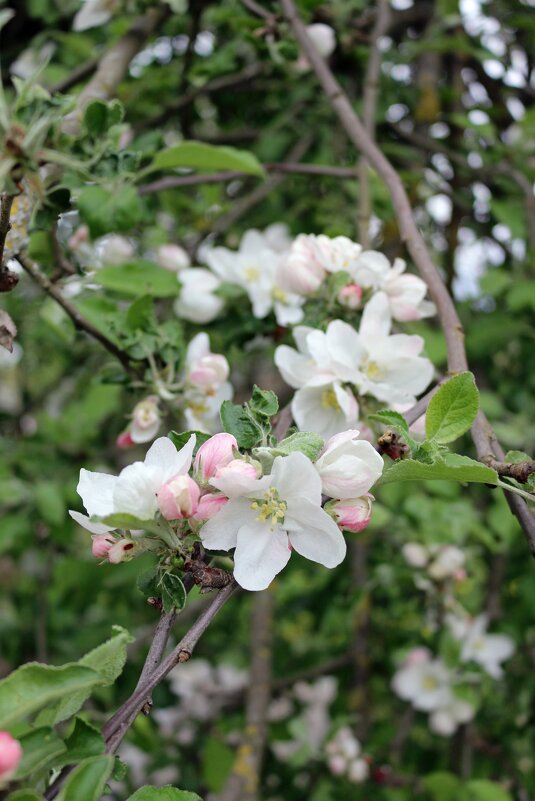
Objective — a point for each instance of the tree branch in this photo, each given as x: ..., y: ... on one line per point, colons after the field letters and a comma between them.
x: 79, y: 321
x: 6, y: 201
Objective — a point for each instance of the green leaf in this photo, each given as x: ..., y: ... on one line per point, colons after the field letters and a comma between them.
x: 39, y: 747
x: 180, y: 439
x: 484, y: 790
x: 24, y: 795
x: 88, y: 780
x: 49, y: 501
x: 174, y: 594
x: 442, y: 786
x: 201, y: 156
x: 32, y: 686
x: 264, y: 402
x: 303, y: 441
x: 129, y: 522
x: 217, y: 762
x: 105, y: 211
x: 391, y: 419
x: 237, y: 421
x: 449, y: 467
x: 96, y: 118
x: 167, y: 793
x: 84, y: 741
x: 139, y: 278
x: 147, y: 583
x: 453, y: 409
x: 107, y: 660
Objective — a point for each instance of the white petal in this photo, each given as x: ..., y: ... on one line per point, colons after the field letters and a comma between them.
x: 221, y: 532
x: 198, y: 347
x: 135, y: 491
x: 295, y: 368
x: 376, y: 321
x: 96, y: 491
x: 442, y: 722
x: 164, y: 455
x: 85, y: 522
x: 262, y: 552
x: 316, y: 535
x: 296, y: 479
x: 233, y: 485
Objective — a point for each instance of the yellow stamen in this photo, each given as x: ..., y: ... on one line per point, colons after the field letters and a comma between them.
x: 271, y: 508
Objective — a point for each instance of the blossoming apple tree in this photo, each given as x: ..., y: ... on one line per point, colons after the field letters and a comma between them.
x: 263, y: 392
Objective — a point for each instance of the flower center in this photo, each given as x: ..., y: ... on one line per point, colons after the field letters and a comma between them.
x: 429, y: 682
x: 279, y: 295
x: 373, y: 370
x: 329, y: 399
x: 478, y: 644
x: 271, y: 508
x: 252, y: 274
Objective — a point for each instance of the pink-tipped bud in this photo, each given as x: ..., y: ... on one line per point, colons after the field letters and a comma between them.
x: 237, y: 477
x: 125, y: 440
x: 215, y: 453
x: 417, y: 656
x: 209, y: 505
x: 101, y: 544
x: 10, y: 756
x: 178, y: 498
x: 121, y: 551
x: 209, y: 371
x: 173, y: 258
x: 353, y: 514
x: 350, y: 296
x: 337, y: 764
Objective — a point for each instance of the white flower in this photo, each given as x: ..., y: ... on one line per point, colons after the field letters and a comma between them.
x: 196, y: 301
x: 391, y: 368
x: 324, y: 39
x: 205, y: 369
x: 146, y: 420
x: 348, y: 467
x: 405, y: 292
x: 115, y: 250
x: 446, y: 563
x: 173, y: 258
x: 300, y: 270
x: 447, y: 718
x: 425, y: 683
x: 415, y: 554
x: 94, y: 13
x: 488, y: 650
x: 279, y: 512
x: 134, y: 490
x: 201, y: 409
x: 325, y: 410
x: 255, y: 267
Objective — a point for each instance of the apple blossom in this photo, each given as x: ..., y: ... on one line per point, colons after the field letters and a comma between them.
x: 133, y: 491
x: 115, y: 250
x: 196, y: 301
x: 101, y: 544
x: 446, y: 562
x: 201, y: 408
x: 300, y: 270
x: 209, y: 505
x: 277, y: 512
x: 488, y: 650
x: 343, y: 756
x: 446, y: 720
x: 350, y: 296
x: 325, y: 410
x: 415, y: 554
x: 178, y: 498
x: 213, y: 454
x: 204, y: 368
x: 233, y: 478
x: 348, y: 467
x: 146, y: 420
x: 324, y: 39
x: 10, y: 757
x: 352, y: 514
x: 122, y: 551
x: 173, y: 258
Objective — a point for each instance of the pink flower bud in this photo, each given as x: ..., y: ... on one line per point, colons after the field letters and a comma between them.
x: 237, y: 477
x: 350, y: 296
x: 215, y: 453
x: 145, y: 420
x: 353, y: 514
x: 173, y: 258
x: 209, y: 371
x: 209, y: 505
x: 178, y: 498
x: 10, y: 756
x: 300, y: 271
x: 417, y: 656
x: 124, y: 440
x: 121, y: 551
x: 101, y: 545
x: 337, y: 765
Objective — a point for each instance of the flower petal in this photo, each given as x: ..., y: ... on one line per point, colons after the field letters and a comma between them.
x: 96, y: 491
x: 164, y: 455
x: 262, y: 552
x: 85, y: 522
x: 296, y: 479
x: 314, y: 534
x: 220, y: 533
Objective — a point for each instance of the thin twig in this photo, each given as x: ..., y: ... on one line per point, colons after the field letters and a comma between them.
x: 75, y: 76
x: 79, y: 321
x: 6, y: 201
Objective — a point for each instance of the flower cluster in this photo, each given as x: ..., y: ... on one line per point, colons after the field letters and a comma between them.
x: 10, y: 756
x: 344, y: 756
x: 330, y: 368
x: 230, y: 500
x: 441, y: 562
x: 310, y: 727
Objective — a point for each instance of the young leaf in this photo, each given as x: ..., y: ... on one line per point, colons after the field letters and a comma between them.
x: 174, y: 594
x: 453, y: 409
x: 167, y: 793
x: 85, y: 741
x: 304, y: 441
x: 236, y: 421
x: 88, y: 780
x: 106, y: 211
x: 33, y: 686
x: 264, y: 402
x: 39, y: 747
x: 107, y: 660
x: 201, y: 156
x: 139, y: 278
x: 391, y: 419
x: 449, y: 467
x: 180, y: 439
